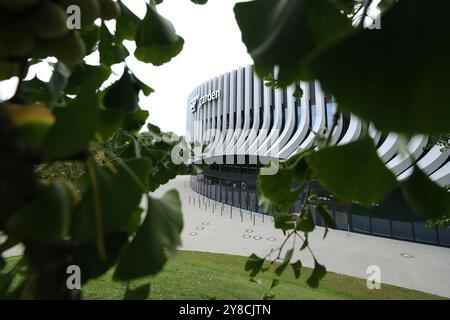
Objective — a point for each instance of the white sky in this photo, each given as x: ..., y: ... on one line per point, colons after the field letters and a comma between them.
x: 212, y: 46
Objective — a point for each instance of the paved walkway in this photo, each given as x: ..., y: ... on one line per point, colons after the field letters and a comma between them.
x: 426, y: 268
x: 213, y: 229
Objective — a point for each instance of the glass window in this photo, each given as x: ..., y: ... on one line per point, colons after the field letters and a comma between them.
x: 423, y: 233
x: 381, y: 227
x: 330, y: 111
x: 341, y: 219
x: 444, y: 236
x: 360, y: 223
x: 313, y: 114
x: 402, y: 230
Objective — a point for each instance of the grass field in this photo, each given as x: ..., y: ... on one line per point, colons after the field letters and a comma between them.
x: 197, y: 275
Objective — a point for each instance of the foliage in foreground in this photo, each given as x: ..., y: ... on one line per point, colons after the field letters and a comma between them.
x: 387, y: 69
x: 85, y: 129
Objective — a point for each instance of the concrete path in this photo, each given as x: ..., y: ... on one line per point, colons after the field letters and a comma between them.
x: 410, y: 265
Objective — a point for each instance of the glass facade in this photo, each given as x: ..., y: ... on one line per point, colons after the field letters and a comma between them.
x: 235, y: 185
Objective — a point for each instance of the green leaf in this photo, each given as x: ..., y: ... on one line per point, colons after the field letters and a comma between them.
x: 305, y: 243
x: 86, y: 256
x: 123, y: 94
x: 318, y: 273
x: 156, y: 40
x: 119, y: 195
x: 286, y: 32
x: 163, y: 173
x: 424, y: 196
x: 140, y: 293
x: 283, y: 188
x: 44, y: 219
x: 200, y: 1
x: 109, y: 122
x: 75, y: 125
x: 97, y: 74
x: 58, y: 80
x: 127, y: 24
x: 37, y: 91
x: 8, y: 70
x: 306, y: 222
x: 155, y: 241
x: 327, y: 219
x: 274, y: 283
x: 283, y: 221
x: 146, y: 90
x: 287, y: 259
x: 297, y: 268
x: 298, y: 93
x: 254, y: 264
x: 353, y: 172
x: 392, y: 76
x: 110, y: 48
x: 135, y: 120
x: 90, y: 37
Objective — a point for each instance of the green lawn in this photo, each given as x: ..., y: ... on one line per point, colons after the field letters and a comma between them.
x: 197, y: 275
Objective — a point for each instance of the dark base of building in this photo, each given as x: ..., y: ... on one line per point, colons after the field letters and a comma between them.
x: 235, y: 185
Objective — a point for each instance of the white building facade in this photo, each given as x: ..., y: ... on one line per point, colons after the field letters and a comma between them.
x: 244, y: 124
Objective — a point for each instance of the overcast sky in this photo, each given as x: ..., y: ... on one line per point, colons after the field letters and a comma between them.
x: 212, y: 46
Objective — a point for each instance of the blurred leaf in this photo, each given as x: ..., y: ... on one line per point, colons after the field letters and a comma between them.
x: 58, y: 80
x: 109, y: 122
x: 156, y: 39
x: 327, y: 219
x: 156, y: 240
x: 90, y: 37
x: 285, y: 187
x: 283, y: 221
x: 298, y: 93
x: 254, y: 264
x: 199, y: 1
x: 287, y: 259
x: 37, y: 91
x: 44, y: 219
x: 32, y: 122
x: 274, y: 283
x: 393, y: 76
x: 353, y: 172
x: 135, y: 120
x: 425, y: 197
x: 306, y: 222
x: 122, y: 94
x: 75, y: 124
x: 297, y: 268
x: 85, y: 255
x: 8, y: 70
x: 110, y: 48
x: 284, y: 33
x: 97, y: 74
x: 119, y: 196
x: 140, y: 293
x: 318, y: 273
x: 127, y: 24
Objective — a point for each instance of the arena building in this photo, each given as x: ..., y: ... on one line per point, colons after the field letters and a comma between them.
x: 246, y: 124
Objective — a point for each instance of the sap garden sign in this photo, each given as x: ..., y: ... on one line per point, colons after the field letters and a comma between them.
x: 198, y: 102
